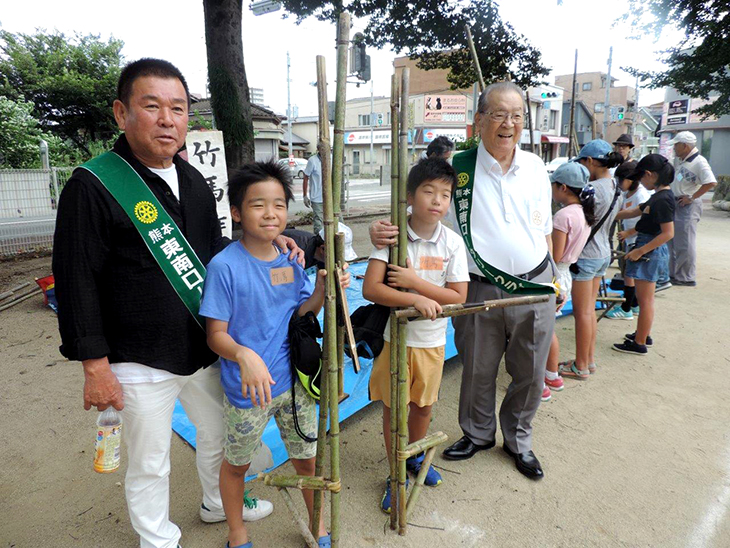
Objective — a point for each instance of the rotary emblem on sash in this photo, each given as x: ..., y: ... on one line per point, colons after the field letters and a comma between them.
x: 462, y: 179
x: 536, y: 218
x: 145, y: 212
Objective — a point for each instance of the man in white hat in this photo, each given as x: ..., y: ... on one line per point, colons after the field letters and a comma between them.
x: 693, y: 177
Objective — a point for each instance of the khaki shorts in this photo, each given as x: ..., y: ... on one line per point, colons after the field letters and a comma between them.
x: 425, y: 368
x: 245, y: 427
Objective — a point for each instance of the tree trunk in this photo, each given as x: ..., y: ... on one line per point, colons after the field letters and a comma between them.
x: 229, y: 95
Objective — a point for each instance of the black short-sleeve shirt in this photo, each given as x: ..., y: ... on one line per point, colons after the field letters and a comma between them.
x: 655, y: 211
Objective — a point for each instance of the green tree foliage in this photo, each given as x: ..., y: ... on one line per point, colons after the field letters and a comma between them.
x: 698, y: 63
x: 433, y: 31
x: 70, y: 81
x: 20, y: 137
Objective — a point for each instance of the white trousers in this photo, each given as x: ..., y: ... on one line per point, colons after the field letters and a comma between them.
x: 147, y: 434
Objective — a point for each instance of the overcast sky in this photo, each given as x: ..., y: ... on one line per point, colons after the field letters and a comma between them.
x: 174, y: 30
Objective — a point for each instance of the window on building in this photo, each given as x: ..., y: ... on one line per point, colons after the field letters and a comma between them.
x: 363, y: 120
x: 387, y: 118
x: 603, y: 83
x: 565, y: 129
x: 553, y: 118
x: 598, y: 107
x: 587, y: 86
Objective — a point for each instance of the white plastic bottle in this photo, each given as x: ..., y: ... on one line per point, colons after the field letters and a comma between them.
x: 108, y: 444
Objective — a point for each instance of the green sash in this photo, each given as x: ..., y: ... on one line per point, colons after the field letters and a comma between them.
x: 161, y: 235
x: 465, y: 164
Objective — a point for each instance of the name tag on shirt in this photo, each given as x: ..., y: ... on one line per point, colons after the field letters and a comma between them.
x: 281, y: 276
x: 432, y: 263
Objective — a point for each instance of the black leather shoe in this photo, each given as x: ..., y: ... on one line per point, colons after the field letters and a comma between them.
x: 526, y: 463
x: 464, y: 449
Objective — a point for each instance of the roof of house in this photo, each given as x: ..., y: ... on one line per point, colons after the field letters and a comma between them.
x: 295, y: 139
x: 259, y: 112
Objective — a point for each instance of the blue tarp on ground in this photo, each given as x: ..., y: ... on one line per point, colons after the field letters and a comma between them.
x: 356, y: 385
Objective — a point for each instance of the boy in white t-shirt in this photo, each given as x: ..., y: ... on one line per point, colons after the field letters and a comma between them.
x: 436, y: 274
x: 634, y: 194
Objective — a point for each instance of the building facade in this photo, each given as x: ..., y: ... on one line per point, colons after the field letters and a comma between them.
x: 591, y: 89
x: 713, y: 134
x: 583, y: 125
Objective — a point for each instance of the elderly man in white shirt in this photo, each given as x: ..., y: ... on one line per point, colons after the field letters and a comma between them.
x: 508, y: 239
x: 693, y: 177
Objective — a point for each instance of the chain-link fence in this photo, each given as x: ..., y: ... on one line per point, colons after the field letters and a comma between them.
x: 28, y: 203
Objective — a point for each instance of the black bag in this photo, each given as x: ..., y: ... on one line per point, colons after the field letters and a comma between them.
x: 368, y: 326
x: 574, y: 268
x: 305, y: 356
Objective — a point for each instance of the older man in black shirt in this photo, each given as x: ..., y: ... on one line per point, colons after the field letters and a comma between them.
x: 119, y: 315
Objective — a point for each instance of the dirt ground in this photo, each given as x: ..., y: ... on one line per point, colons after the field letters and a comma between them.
x: 638, y: 456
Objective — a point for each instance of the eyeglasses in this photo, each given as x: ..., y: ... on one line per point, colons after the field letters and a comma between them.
x: 501, y: 116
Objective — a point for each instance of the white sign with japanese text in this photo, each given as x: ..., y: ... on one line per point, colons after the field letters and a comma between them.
x: 207, y: 154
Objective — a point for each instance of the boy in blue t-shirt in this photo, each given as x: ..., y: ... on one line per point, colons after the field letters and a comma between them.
x: 251, y: 291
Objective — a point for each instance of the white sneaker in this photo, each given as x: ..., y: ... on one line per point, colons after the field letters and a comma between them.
x: 253, y: 509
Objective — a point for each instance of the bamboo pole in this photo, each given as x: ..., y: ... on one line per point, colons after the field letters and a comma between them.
x: 402, y: 256
x: 529, y: 121
x: 450, y: 310
x: 321, y: 441
x: 572, y: 143
x: 298, y: 482
x: 393, y: 458
x: 339, y: 260
x: 338, y: 147
x: 330, y: 301
x: 306, y: 533
x: 474, y: 58
x: 418, y: 485
x: 13, y: 302
x: 423, y: 444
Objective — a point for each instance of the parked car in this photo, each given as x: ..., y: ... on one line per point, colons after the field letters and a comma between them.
x: 297, y: 170
x: 556, y: 163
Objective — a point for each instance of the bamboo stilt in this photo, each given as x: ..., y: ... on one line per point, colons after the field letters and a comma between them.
x: 339, y: 261
x: 418, y: 485
x: 330, y: 302
x: 306, y: 533
x: 402, y: 256
x: 423, y: 444
x: 394, y: 113
x: 298, y: 482
x: 338, y: 147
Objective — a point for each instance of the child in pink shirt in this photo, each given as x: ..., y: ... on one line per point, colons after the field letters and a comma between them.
x: 571, y: 230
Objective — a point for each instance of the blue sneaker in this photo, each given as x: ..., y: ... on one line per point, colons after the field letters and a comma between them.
x: 413, y: 465
x: 617, y: 313
x: 385, y: 501
x: 635, y: 310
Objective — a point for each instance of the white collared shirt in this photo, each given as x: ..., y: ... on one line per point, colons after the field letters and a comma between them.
x: 511, y: 212
x: 438, y: 259
x: 691, y: 173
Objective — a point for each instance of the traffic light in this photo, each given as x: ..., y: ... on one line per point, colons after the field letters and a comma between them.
x: 620, y: 113
x: 364, y: 74
x: 357, y: 54
x: 548, y: 94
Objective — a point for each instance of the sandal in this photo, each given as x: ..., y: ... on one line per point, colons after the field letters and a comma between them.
x: 570, y: 370
x: 592, y: 368
x: 325, y: 541
x: 247, y: 545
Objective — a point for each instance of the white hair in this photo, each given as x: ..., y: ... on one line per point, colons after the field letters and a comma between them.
x: 498, y: 87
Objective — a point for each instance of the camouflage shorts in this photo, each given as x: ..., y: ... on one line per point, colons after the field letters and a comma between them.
x: 245, y: 427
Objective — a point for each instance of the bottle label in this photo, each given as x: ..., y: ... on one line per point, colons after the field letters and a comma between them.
x: 107, y: 454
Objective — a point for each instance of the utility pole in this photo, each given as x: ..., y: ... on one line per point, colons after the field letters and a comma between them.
x: 636, y: 110
x: 288, y: 103
x: 372, y: 123
x: 607, y: 103
x: 572, y: 144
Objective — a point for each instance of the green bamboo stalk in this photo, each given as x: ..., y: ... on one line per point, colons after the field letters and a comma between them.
x: 418, y: 485
x: 343, y: 42
x: 339, y: 262
x: 306, y: 533
x: 298, y: 482
x: 394, y: 102
x: 402, y: 255
x: 330, y: 302
x: 321, y: 439
x: 474, y: 58
x: 432, y: 440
